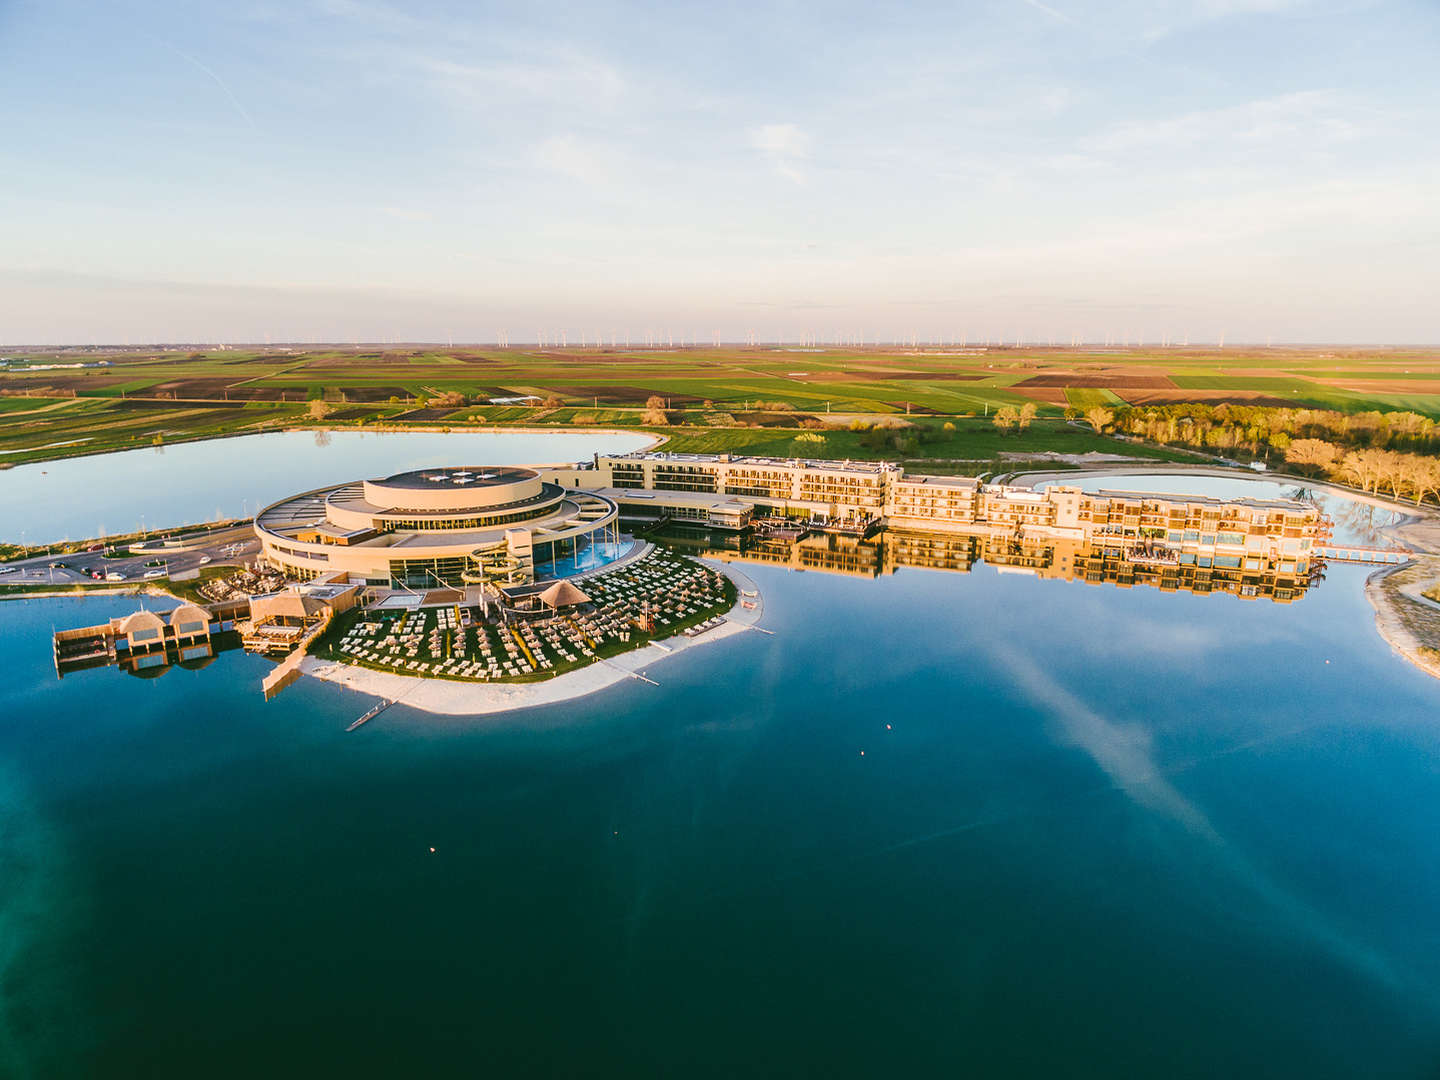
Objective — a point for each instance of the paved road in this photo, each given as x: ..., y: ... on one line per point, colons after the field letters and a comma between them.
x: 231, y: 547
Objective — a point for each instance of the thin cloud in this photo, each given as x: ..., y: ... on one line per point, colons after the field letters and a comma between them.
x: 785, y: 146
x: 573, y: 79
x: 1048, y: 10
x: 573, y: 157
x: 1312, y: 116
x: 245, y: 115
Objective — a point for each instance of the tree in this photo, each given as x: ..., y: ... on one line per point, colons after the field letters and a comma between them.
x: 1099, y: 418
x: 553, y: 402
x: 948, y: 426
x: 655, y: 416
x: 1027, y: 413
x: 655, y: 401
x: 319, y: 409
x: 1313, y: 455
x: 1362, y: 468
x: 1424, y: 477
x: 1005, y: 418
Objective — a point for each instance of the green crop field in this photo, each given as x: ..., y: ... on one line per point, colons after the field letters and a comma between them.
x: 714, y: 398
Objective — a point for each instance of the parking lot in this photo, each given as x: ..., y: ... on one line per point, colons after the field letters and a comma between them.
x: 233, y: 547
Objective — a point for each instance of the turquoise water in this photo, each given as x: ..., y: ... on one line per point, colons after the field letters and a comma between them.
x: 162, y: 486
x: 1092, y: 832
x: 590, y: 556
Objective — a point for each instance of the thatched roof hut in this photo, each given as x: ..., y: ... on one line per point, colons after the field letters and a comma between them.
x: 563, y: 594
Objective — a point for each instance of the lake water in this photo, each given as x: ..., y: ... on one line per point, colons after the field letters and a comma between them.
x: 938, y: 824
x: 219, y: 478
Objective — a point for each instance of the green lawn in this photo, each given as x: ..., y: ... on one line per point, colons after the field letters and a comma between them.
x: 1083, y: 398
x: 935, y: 383
x: 973, y: 440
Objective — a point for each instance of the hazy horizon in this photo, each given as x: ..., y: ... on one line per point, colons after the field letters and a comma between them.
x: 342, y: 171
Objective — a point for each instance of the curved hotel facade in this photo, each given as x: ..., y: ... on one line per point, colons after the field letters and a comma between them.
x: 449, y: 526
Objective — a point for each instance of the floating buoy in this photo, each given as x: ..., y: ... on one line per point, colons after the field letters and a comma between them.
x: 887, y: 726
x: 432, y: 851
x: 862, y: 753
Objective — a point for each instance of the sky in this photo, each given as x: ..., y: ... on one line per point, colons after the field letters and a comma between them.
x: 349, y: 170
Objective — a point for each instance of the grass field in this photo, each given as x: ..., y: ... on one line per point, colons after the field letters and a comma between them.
x: 174, y: 396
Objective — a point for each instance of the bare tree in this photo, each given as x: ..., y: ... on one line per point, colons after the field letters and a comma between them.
x: 1027, y: 413
x: 1423, y: 477
x: 1362, y: 468
x: 319, y: 409
x: 1005, y: 418
x: 1313, y: 454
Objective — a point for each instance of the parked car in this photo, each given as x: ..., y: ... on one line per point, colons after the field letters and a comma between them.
x: 154, y: 573
x: 204, y: 559
x: 114, y: 575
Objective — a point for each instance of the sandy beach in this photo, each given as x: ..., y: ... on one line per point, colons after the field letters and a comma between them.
x: 449, y: 697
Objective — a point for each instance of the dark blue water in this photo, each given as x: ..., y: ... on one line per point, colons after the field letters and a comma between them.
x: 1107, y: 833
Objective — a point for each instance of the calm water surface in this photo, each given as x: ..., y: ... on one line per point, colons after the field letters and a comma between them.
x: 158, y: 487
x: 1106, y: 832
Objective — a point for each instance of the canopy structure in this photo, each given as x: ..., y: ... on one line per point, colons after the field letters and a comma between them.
x: 563, y: 594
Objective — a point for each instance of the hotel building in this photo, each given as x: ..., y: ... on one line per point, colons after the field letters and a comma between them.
x: 725, y: 491
x: 448, y: 526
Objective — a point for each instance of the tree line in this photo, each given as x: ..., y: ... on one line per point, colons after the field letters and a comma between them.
x: 1259, y: 429
x: 1379, y: 452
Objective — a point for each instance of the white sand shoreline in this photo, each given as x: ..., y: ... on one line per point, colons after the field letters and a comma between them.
x: 450, y: 697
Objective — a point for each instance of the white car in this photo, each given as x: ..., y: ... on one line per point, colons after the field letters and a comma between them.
x: 114, y: 576
x: 154, y: 573
x: 204, y: 559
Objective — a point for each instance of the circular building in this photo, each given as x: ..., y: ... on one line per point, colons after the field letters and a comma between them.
x: 450, y: 526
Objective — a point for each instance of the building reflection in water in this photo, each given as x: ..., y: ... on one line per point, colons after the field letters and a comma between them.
x: 150, y: 665
x: 1051, y: 558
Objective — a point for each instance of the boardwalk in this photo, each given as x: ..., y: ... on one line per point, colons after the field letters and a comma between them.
x: 1352, y: 553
